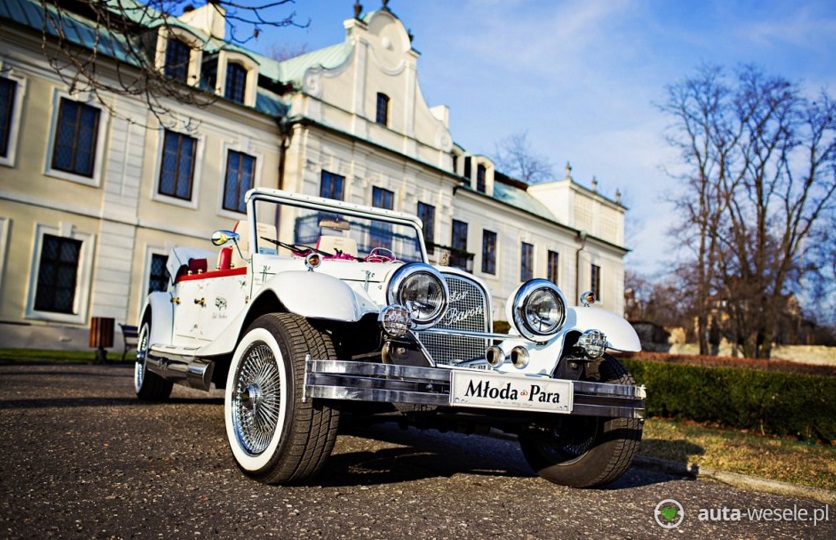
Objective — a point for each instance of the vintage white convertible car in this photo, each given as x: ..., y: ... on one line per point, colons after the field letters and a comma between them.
x: 313, y: 308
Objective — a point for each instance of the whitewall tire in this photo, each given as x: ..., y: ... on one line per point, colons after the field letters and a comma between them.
x: 274, y: 436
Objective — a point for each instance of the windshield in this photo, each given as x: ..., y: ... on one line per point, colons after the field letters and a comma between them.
x: 292, y: 228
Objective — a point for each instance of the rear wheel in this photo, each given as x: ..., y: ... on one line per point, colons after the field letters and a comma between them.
x: 276, y: 437
x: 149, y: 386
x: 586, y: 451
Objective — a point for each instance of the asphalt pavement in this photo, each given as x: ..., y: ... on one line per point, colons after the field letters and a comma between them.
x: 80, y: 457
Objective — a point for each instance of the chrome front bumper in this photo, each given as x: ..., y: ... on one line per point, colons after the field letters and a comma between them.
x: 388, y: 383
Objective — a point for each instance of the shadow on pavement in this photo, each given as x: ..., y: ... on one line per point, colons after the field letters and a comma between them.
x: 101, y: 402
x: 417, y: 455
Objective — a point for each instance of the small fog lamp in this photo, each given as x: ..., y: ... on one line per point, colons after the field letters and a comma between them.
x: 519, y: 357
x: 494, y: 355
x: 395, y: 320
x: 593, y: 343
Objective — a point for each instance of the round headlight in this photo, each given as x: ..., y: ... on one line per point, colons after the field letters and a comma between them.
x: 539, y: 309
x: 421, y: 289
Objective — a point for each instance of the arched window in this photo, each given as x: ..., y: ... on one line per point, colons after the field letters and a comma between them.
x: 177, y: 55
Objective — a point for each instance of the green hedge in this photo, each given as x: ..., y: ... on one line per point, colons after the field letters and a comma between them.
x: 771, y: 402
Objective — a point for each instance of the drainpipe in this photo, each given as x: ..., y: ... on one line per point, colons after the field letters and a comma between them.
x: 582, y: 237
x: 285, y: 131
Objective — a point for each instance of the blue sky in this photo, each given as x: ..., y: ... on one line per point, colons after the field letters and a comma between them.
x: 582, y: 78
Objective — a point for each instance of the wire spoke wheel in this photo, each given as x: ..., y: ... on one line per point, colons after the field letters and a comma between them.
x: 257, y: 401
x: 275, y: 436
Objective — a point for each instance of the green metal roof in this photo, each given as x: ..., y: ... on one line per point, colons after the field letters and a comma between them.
x: 293, y: 70
x: 83, y: 32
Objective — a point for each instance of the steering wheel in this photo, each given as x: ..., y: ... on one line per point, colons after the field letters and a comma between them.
x: 381, y: 255
x: 298, y: 249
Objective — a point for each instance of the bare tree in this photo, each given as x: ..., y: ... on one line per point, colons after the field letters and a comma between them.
x: 286, y: 52
x: 761, y: 181
x: 79, y: 36
x: 515, y: 157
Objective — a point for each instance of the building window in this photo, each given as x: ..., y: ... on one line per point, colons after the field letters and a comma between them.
x: 76, y: 134
x: 236, y: 82
x: 481, y: 186
x: 382, y: 117
x: 383, y: 198
x: 177, y: 56
x: 240, y: 169
x: 458, y: 257
x: 8, y: 89
x: 526, y: 262
x: 595, y: 281
x: 381, y: 233
x: 178, y: 163
x: 553, y: 265
x: 332, y: 186
x: 427, y: 214
x: 158, y: 275
x: 488, y: 252
x: 57, y: 274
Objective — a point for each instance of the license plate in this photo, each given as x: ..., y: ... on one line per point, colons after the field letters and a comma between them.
x: 493, y: 391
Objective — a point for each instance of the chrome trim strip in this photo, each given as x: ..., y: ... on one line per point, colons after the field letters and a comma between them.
x: 610, y: 390
x: 370, y: 369
x: 388, y: 396
x: 468, y: 333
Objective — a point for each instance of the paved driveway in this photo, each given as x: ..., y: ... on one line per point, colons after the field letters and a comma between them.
x: 81, y: 457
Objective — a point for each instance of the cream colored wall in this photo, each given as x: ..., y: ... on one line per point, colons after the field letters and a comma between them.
x: 121, y: 215
x: 514, y: 227
x: 346, y: 97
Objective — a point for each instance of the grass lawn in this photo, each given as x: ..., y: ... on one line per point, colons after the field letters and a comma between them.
x: 740, y: 452
x: 64, y: 357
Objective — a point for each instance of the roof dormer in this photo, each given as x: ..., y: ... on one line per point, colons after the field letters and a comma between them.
x: 479, y: 170
x: 178, y: 54
x: 237, y: 77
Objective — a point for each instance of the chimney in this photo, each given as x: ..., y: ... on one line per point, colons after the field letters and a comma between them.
x: 210, y: 18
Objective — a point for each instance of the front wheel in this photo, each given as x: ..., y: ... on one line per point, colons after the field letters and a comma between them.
x: 586, y: 451
x: 276, y: 437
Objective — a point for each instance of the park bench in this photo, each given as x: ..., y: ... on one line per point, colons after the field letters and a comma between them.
x: 130, y: 336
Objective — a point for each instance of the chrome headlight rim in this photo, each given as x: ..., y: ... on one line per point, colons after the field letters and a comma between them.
x: 523, y: 296
x: 401, y: 279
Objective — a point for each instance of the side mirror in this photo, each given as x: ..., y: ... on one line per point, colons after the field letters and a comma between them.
x: 222, y: 238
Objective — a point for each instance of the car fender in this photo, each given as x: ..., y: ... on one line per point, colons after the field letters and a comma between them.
x: 162, y: 317
x: 620, y: 334
x: 319, y: 296
x: 309, y: 294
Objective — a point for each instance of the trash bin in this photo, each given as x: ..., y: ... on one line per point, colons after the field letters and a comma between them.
x: 101, y: 336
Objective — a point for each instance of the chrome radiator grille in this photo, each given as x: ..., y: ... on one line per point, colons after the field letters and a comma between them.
x: 469, y: 311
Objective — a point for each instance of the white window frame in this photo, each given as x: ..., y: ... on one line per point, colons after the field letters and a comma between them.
x: 17, y: 110
x: 167, y: 32
x: 81, y: 300
x: 4, y: 242
x: 159, y: 197
x: 259, y: 161
x: 150, y: 250
x: 104, y: 121
x: 250, y: 65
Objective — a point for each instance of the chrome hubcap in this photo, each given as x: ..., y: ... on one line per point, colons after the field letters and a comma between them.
x: 141, y: 351
x: 257, y: 399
